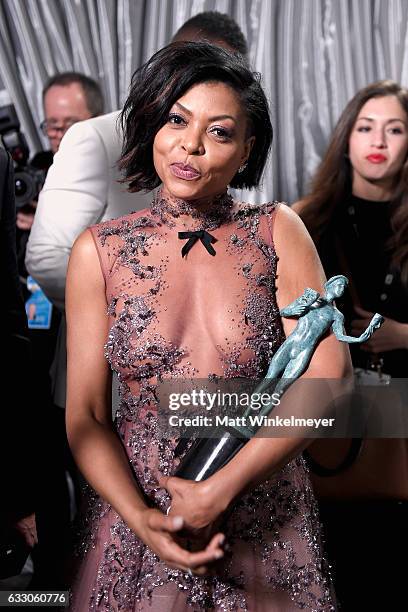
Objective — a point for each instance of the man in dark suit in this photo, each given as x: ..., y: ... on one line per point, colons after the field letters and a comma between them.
x: 17, y: 482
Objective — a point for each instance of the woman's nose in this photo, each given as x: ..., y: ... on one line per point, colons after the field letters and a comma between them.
x: 379, y: 140
x: 192, y: 143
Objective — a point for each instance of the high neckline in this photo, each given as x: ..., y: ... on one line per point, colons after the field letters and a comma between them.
x: 174, y: 211
x: 368, y: 218
x: 366, y: 202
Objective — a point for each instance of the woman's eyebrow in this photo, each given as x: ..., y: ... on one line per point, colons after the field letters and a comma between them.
x: 216, y: 118
x: 388, y: 120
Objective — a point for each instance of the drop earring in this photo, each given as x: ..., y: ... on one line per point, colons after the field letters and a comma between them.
x: 242, y: 167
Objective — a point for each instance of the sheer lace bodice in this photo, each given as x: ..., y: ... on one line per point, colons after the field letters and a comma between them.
x: 195, y: 316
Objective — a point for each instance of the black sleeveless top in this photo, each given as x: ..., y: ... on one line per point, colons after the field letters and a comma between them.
x: 362, y: 228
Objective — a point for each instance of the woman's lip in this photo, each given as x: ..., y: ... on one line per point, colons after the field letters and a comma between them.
x: 184, y: 172
x: 376, y: 158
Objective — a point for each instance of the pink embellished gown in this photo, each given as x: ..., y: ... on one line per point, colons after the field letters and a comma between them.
x: 198, y: 316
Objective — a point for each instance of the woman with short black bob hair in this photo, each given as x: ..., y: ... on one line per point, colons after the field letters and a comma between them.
x: 190, y: 288
x: 162, y: 81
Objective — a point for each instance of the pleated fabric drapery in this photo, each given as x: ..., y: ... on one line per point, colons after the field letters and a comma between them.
x: 313, y: 56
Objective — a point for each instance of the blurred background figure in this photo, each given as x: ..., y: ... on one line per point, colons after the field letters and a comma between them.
x: 357, y: 213
x: 68, y: 98
x: 18, y: 465
x: 217, y: 28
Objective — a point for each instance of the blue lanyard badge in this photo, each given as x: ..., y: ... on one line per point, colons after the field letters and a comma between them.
x: 38, y: 307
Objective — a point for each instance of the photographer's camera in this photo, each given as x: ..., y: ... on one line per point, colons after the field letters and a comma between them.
x: 28, y: 179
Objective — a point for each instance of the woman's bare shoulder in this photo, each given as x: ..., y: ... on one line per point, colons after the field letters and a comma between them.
x: 299, y: 264
x: 288, y: 220
x: 84, y: 259
x: 84, y: 245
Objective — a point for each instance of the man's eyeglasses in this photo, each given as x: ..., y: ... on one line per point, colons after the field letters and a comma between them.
x: 52, y: 129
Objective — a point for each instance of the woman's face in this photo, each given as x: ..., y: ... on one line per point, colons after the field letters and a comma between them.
x: 378, y: 144
x: 202, y: 145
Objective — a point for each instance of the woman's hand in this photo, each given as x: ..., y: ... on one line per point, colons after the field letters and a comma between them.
x: 159, y: 533
x: 390, y: 336
x: 199, y: 503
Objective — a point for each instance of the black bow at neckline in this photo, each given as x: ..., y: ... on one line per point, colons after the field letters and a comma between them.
x: 206, y: 239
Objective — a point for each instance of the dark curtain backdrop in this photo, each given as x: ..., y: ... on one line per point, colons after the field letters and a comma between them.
x: 313, y: 55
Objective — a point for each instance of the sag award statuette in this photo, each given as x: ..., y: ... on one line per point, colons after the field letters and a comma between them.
x: 316, y: 314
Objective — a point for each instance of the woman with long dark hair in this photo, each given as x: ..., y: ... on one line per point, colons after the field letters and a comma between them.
x: 191, y: 288
x: 357, y: 213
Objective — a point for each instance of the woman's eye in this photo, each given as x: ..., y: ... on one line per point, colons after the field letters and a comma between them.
x: 176, y: 119
x: 364, y: 128
x: 221, y: 133
x: 396, y: 130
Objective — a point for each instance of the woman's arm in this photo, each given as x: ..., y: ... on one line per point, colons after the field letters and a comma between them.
x: 299, y: 267
x: 95, y: 445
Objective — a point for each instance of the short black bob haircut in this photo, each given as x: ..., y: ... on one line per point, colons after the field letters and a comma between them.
x: 159, y: 83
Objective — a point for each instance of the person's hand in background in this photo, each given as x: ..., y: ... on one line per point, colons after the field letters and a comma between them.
x: 28, y: 529
x: 390, y: 336
x: 25, y: 216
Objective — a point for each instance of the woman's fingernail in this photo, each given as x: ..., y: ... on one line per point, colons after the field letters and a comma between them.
x: 222, y: 539
x: 218, y: 554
